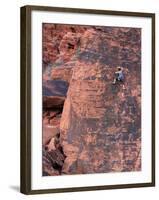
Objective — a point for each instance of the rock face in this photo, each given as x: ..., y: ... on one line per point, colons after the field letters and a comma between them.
x: 62, y: 73
x: 100, y: 123
x: 55, y: 40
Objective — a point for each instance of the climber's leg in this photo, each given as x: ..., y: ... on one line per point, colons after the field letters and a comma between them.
x: 114, y: 80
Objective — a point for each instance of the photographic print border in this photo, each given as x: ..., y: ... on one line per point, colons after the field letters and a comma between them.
x: 25, y: 185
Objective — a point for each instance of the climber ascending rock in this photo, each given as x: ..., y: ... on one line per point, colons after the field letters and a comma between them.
x: 119, y: 76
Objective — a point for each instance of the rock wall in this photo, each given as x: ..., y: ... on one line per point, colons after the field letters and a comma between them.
x: 100, y: 124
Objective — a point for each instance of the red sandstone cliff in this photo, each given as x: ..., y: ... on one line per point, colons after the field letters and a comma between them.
x: 100, y: 127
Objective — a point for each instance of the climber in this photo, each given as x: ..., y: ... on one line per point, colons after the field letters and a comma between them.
x: 119, y: 77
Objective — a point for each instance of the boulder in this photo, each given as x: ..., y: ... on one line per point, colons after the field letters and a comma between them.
x: 51, y: 145
x: 52, y: 162
x: 49, y: 131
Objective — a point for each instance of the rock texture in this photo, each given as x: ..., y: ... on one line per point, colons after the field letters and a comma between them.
x: 99, y: 127
x: 53, y: 102
x: 99, y: 132
x: 55, y: 40
x: 62, y: 73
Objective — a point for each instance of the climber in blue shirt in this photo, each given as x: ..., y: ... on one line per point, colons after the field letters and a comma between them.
x: 119, y: 76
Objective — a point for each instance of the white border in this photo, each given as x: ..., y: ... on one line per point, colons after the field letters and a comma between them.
x: 39, y: 182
